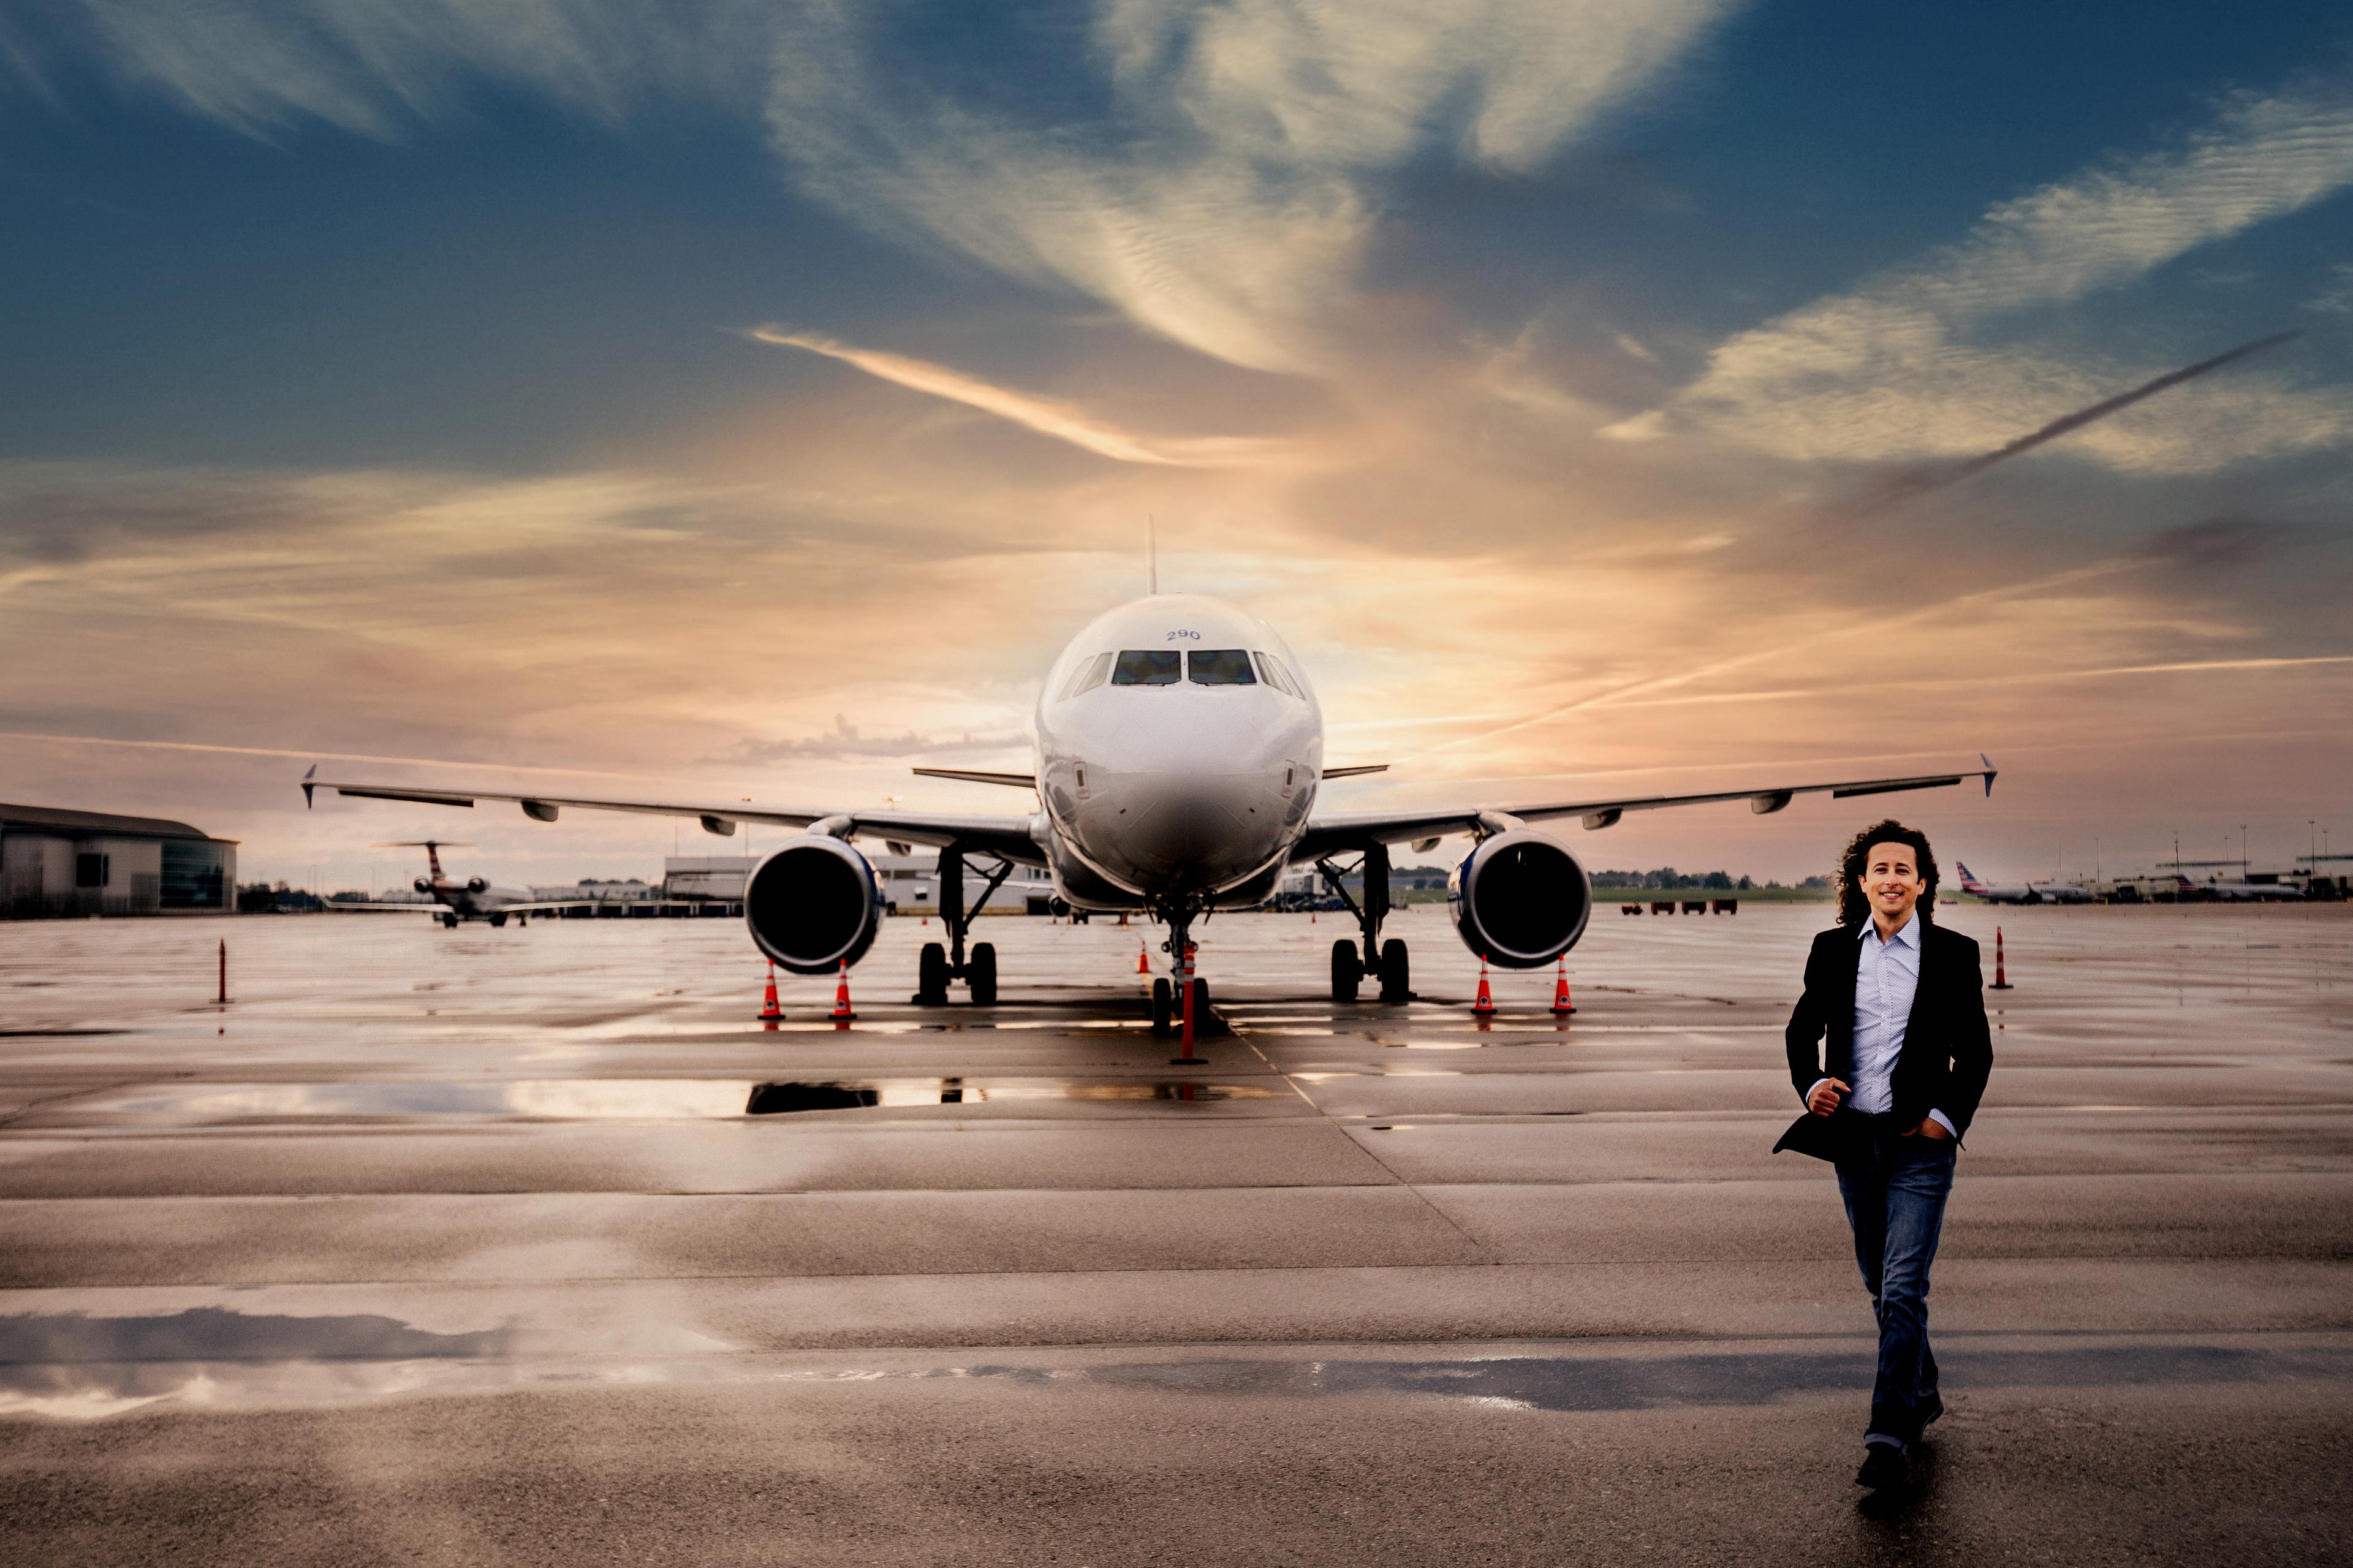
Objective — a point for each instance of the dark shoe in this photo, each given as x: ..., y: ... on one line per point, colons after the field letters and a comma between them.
x: 1931, y: 1408
x: 1883, y: 1464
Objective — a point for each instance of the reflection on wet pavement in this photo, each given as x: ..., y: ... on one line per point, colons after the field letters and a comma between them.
x: 587, y: 1099
x: 72, y: 1364
x: 75, y: 1366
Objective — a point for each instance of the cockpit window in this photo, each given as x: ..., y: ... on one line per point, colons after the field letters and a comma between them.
x: 1276, y: 675
x: 1146, y: 667
x: 1088, y: 675
x: 1220, y: 666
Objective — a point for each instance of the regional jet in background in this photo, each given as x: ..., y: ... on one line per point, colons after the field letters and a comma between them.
x: 1179, y: 749
x: 473, y: 900
x: 2025, y: 892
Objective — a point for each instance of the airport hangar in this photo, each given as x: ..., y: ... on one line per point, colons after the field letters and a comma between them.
x: 56, y: 864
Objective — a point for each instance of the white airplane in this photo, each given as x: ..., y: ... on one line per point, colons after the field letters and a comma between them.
x: 2240, y: 891
x: 1179, y: 749
x: 2025, y: 892
x: 473, y: 900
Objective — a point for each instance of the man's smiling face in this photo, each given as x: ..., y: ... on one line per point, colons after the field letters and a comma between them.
x: 1892, y: 881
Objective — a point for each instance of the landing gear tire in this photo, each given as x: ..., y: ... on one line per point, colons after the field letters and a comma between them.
x: 497, y: 920
x: 980, y: 973
x: 450, y: 921
x: 1397, y: 973
x: 1163, y: 999
x: 1347, y: 970
x: 932, y: 976
x: 1200, y: 1004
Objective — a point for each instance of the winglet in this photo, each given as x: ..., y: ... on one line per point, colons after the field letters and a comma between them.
x: 1989, y: 773
x: 308, y: 786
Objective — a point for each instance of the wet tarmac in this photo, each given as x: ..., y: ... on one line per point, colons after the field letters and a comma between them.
x: 532, y: 1244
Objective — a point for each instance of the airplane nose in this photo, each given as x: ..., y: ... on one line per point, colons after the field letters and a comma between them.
x: 1201, y: 830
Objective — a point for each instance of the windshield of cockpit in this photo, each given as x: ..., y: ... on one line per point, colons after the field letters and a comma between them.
x: 1168, y: 667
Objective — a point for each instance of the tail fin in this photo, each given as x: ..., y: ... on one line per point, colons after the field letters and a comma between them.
x: 432, y: 858
x: 1968, y: 879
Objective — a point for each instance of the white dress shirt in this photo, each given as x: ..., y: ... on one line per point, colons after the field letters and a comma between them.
x: 1887, y: 978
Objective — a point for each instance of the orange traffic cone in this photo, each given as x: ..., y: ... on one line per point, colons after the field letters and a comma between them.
x: 1561, y: 1005
x: 769, y: 1011
x: 1143, y: 959
x: 1486, y: 1002
x: 1310, y: 917
x: 2000, y: 980
x: 841, y: 1013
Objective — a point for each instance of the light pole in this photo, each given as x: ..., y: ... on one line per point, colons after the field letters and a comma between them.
x: 2242, y: 852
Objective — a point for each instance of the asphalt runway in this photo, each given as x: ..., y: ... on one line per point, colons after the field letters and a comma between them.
x: 531, y: 1246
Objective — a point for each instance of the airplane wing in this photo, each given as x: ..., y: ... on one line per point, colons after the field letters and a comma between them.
x: 1005, y: 836
x: 1338, y: 833
x: 350, y: 906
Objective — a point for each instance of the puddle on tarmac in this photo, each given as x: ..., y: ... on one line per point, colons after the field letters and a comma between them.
x: 70, y: 1364
x: 1640, y: 1383
x: 592, y: 1099
x: 73, y: 1366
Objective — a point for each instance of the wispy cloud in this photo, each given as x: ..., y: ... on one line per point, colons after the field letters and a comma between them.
x: 32, y: 737
x: 1899, y: 368
x: 843, y: 739
x: 1217, y: 181
x: 1626, y: 693
x: 381, y: 68
x: 1225, y: 198
x: 1046, y: 416
x: 1962, y: 683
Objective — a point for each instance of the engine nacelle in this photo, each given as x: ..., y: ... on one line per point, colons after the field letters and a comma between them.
x: 812, y: 905
x: 478, y: 884
x: 423, y: 884
x: 1519, y: 899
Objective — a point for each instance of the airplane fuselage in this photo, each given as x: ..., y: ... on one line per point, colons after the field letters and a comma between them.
x: 470, y: 905
x: 1179, y: 747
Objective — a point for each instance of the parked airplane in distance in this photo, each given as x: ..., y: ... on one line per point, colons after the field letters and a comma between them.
x: 2025, y: 892
x: 473, y: 900
x: 2242, y: 892
x: 1179, y: 748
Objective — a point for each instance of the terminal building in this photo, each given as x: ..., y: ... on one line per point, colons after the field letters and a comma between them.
x: 56, y: 864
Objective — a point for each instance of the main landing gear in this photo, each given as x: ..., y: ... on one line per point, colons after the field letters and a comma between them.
x: 936, y: 965
x: 1386, y: 960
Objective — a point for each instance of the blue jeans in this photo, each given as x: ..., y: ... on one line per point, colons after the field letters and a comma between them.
x: 1895, y: 1190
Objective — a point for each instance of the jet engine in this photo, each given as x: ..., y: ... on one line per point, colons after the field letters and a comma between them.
x: 1519, y: 899
x: 812, y: 905
x: 478, y: 884
x: 423, y: 884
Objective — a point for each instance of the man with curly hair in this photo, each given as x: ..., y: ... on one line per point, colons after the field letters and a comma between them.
x: 1888, y: 1048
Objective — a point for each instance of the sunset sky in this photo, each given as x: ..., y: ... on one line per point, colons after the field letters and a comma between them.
x: 728, y: 398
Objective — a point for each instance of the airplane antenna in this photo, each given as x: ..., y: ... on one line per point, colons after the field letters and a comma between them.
x: 1151, y: 553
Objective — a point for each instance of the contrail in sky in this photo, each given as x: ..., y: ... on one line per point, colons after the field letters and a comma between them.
x: 1920, y: 481
x: 1614, y: 696
x: 1964, y: 683
x: 1046, y: 416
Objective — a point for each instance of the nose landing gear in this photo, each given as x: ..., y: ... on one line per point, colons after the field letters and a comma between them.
x: 936, y: 965
x: 1389, y: 960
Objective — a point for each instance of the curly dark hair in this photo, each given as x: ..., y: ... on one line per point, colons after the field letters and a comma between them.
x: 1854, y: 905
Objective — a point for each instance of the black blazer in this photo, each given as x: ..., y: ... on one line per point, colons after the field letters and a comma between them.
x: 1948, y: 1049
